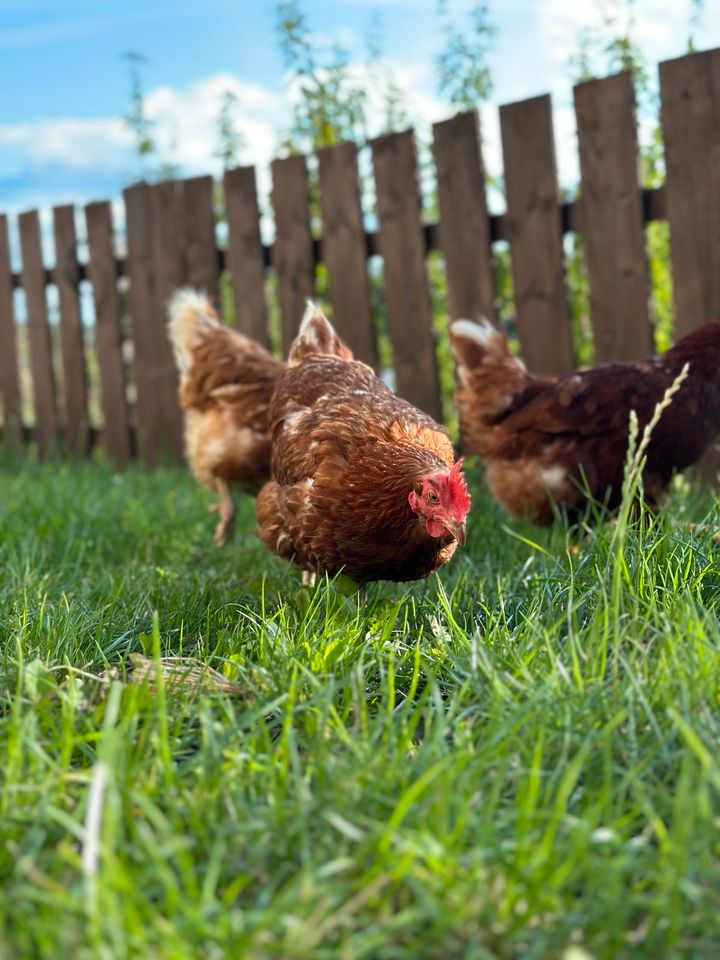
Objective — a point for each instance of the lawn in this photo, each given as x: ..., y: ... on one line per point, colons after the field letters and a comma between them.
x: 517, y: 758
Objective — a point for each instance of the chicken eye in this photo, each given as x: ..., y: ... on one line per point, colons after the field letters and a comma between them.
x: 433, y: 497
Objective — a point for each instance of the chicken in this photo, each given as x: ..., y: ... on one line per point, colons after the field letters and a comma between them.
x: 226, y: 382
x: 362, y: 482
x: 545, y: 440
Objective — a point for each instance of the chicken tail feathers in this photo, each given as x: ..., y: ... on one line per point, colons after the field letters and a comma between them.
x: 191, y: 316
x: 486, y: 368
x: 316, y: 336
x: 475, y: 343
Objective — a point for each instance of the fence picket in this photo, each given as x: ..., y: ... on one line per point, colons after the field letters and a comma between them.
x: 151, y: 221
x: 245, y: 258
x: 690, y: 115
x: 108, y: 333
x: 406, y: 282
x: 535, y: 232
x: 72, y: 347
x: 41, y: 362
x: 612, y: 218
x: 199, y: 256
x: 169, y: 249
x: 9, y: 372
x: 293, y: 247
x: 690, y: 112
x: 167, y: 245
x: 172, y: 241
x: 140, y: 298
x: 344, y: 250
x: 464, y: 225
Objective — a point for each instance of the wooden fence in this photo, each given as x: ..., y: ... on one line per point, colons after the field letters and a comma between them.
x: 171, y: 240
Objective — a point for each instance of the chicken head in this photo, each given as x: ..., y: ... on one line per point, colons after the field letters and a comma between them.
x: 441, y: 501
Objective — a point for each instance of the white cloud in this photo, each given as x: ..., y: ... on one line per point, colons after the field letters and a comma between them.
x: 560, y: 24
x: 565, y: 131
x: 76, y: 143
x: 659, y: 27
x: 186, y: 121
x: 61, y: 159
x: 67, y: 159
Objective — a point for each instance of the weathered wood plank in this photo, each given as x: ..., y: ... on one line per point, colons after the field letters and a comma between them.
x: 293, y: 248
x: 245, y: 253
x: 41, y: 364
x: 140, y: 301
x: 9, y: 371
x: 690, y: 116
x: 464, y: 226
x: 102, y: 273
x: 170, y: 248
x: 151, y: 221
x: 612, y: 218
x: 535, y: 232
x: 200, y: 262
x: 406, y: 282
x: 72, y: 346
x: 690, y: 112
x: 344, y: 250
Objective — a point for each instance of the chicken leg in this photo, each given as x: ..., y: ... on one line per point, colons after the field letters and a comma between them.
x: 226, y: 509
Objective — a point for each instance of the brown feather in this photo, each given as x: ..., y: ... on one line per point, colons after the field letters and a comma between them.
x: 543, y: 439
x: 346, y: 454
x: 226, y: 384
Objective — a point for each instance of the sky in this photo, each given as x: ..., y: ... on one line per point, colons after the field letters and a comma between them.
x: 66, y: 86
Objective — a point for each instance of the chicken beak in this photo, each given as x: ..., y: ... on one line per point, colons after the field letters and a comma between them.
x: 457, y: 529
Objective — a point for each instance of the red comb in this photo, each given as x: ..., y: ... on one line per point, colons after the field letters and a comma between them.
x: 459, y: 488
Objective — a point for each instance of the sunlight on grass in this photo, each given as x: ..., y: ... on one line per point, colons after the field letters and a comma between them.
x: 515, y: 758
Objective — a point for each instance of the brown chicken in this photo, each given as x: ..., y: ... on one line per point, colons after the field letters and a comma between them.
x: 362, y: 482
x: 226, y: 382
x: 545, y: 440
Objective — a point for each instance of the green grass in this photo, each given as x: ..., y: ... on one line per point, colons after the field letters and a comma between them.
x: 517, y: 758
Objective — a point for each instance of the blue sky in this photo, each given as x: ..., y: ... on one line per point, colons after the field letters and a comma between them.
x: 66, y: 83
